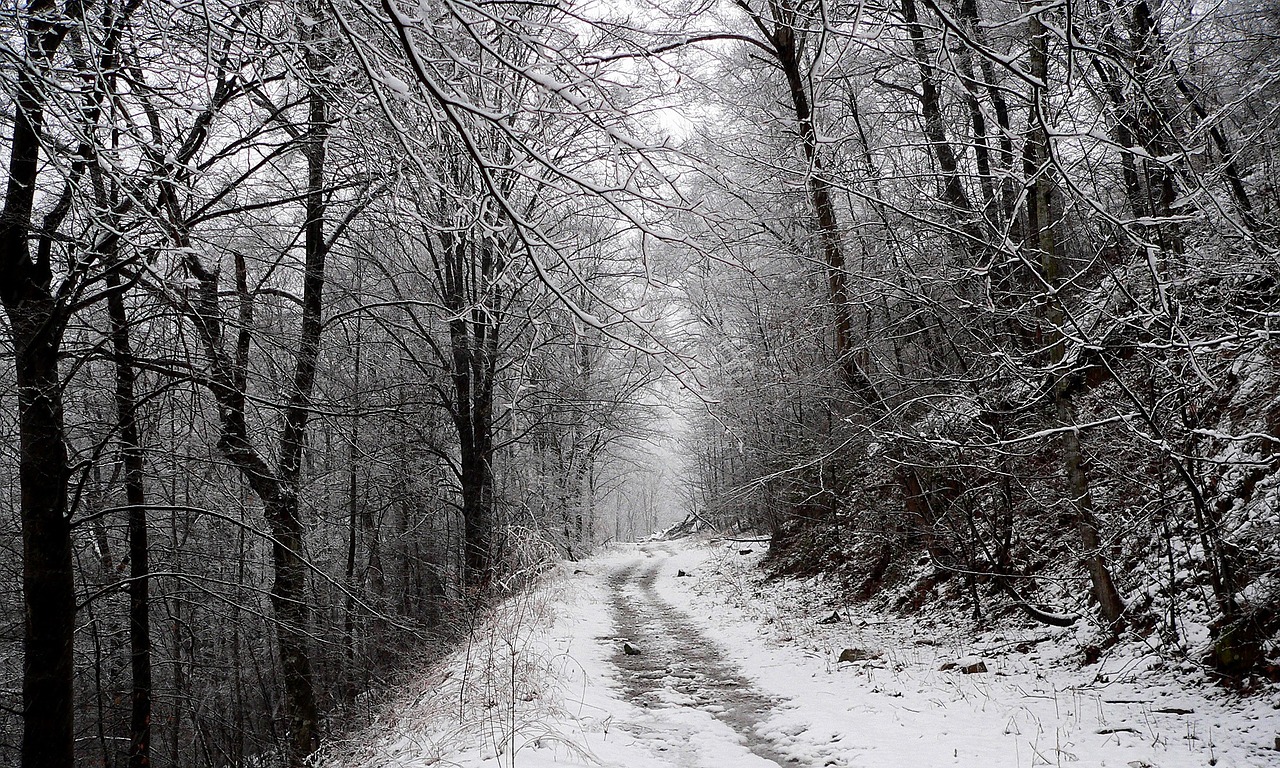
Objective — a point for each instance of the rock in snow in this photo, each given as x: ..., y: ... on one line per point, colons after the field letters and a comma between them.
x: 969, y: 665
x: 857, y: 654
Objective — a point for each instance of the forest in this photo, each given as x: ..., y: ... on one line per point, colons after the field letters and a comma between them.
x: 327, y: 323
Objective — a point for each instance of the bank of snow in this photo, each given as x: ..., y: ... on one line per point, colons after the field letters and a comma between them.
x: 1035, y: 705
x: 536, y: 688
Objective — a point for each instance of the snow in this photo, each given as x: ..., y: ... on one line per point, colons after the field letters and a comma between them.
x: 399, y: 88
x: 543, y: 684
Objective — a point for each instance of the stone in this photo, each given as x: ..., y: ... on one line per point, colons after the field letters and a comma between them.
x: 630, y: 649
x: 857, y: 654
x: 974, y: 668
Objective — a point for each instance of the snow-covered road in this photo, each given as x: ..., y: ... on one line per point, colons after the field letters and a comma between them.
x: 735, y: 673
x: 672, y: 664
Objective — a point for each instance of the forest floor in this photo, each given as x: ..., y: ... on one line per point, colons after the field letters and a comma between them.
x: 734, y: 671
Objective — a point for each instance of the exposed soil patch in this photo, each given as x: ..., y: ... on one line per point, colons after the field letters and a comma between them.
x: 675, y: 664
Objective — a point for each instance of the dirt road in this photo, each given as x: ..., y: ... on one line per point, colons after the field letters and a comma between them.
x: 676, y: 665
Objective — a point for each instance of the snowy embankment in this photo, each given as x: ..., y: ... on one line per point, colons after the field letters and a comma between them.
x: 546, y: 683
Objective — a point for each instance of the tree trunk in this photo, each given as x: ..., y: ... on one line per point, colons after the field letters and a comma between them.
x: 477, y: 513
x: 935, y: 129
x: 1041, y: 238
x: 278, y: 488
x: 293, y: 620
x: 48, y: 588
x: 288, y: 591
x: 787, y: 51
x: 135, y: 496
x: 36, y: 324
x: 473, y: 339
x: 1104, y: 588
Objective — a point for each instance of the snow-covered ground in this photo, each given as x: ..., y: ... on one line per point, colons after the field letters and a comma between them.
x: 735, y: 672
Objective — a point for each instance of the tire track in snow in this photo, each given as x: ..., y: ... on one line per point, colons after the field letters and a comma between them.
x: 677, y: 663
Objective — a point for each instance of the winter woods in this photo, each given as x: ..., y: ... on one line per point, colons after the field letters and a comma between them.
x: 325, y: 321
x: 310, y: 310
x: 1031, y: 250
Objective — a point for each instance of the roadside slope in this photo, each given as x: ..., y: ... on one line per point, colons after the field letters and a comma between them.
x: 1035, y: 704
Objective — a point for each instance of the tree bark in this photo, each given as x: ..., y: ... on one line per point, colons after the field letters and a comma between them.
x: 935, y: 128
x: 288, y: 593
x: 135, y: 497
x: 786, y: 48
x: 278, y: 488
x: 36, y: 322
x: 48, y: 588
x: 1041, y: 238
x: 473, y: 338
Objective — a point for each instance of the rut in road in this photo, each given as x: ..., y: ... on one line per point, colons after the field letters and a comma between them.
x: 676, y: 657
